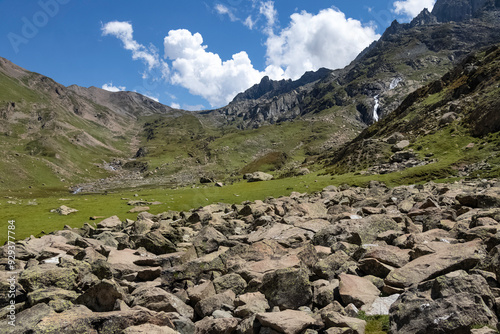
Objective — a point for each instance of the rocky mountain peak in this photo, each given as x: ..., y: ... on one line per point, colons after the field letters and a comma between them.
x: 268, y: 87
x: 424, y: 18
x: 460, y: 10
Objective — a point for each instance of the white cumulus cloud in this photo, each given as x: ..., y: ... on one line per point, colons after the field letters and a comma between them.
x: 327, y: 39
x: 124, y: 32
x: 205, y: 73
x: 411, y: 8
x: 111, y: 88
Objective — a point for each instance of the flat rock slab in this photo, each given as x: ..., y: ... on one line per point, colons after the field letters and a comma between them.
x: 278, y: 232
x: 111, y: 222
x: 391, y: 255
x: 149, y: 329
x: 138, y: 209
x: 357, y: 290
x: 454, y: 257
x: 287, y: 322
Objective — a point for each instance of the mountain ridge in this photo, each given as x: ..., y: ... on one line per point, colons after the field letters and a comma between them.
x: 278, y: 126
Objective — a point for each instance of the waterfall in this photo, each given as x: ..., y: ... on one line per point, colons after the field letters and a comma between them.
x: 375, y: 108
x: 395, y: 82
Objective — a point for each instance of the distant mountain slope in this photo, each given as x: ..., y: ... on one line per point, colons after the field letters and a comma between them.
x: 124, y: 103
x: 54, y: 136
x: 452, y: 125
x: 407, y: 57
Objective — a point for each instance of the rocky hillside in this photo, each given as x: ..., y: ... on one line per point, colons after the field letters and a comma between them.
x: 411, y: 259
x: 130, y: 104
x: 52, y: 133
x: 450, y: 125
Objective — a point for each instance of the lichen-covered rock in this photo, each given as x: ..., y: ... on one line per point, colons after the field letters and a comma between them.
x: 102, y: 296
x: 287, y: 288
x: 27, y: 319
x: 48, y: 275
x: 449, y: 304
x: 230, y: 282
x: 335, y: 319
x: 80, y: 319
x: 259, y: 176
x: 49, y: 294
x: 208, y: 240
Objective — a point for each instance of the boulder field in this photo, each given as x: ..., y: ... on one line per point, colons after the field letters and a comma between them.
x: 425, y: 255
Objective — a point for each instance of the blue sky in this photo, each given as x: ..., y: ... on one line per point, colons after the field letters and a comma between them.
x: 190, y: 54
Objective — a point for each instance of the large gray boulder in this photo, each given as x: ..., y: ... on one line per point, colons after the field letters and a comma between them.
x: 452, y: 303
x: 287, y: 288
x: 102, y: 296
x: 357, y: 290
x: 157, y: 299
x: 259, y: 176
x: 453, y: 257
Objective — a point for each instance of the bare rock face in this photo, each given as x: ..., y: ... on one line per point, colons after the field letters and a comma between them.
x: 357, y: 290
x: 287, y: 322
x: 457, y: 10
